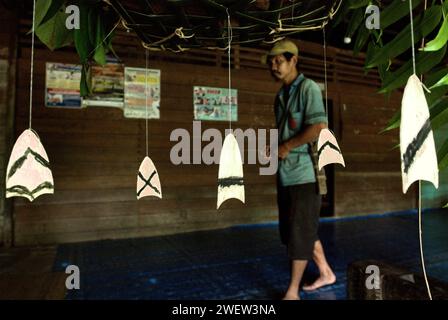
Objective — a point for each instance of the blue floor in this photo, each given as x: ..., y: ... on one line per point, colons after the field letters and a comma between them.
x: 248, y: 262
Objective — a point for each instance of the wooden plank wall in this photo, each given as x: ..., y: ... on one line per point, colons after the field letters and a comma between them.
x: 371, y: 181
x: 95, y: 152
x: 8, y: 48
x: 4, y: 79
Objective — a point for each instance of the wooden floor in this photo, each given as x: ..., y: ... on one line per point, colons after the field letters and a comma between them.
x: 238, y: 263
x: 26, y: 273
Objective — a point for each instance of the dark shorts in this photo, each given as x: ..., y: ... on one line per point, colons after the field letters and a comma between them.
x: 299, y: 210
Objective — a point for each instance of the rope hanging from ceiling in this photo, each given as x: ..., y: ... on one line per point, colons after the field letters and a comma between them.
x: 180, y: 25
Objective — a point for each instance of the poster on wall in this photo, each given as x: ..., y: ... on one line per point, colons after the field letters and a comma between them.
x: 213, y: 104
x: 62, y: 85
x: 107, y: 86
x: 134, y: 93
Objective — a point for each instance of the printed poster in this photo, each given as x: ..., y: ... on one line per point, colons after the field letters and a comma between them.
x: 213, y: 104
x: 62, y: 85
x: 135, y: 98
x: 107, y: 86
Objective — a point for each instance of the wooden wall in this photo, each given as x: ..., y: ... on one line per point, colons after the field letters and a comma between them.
x: 8, y: 46
x: 371, y: 181
x: 95, y: 152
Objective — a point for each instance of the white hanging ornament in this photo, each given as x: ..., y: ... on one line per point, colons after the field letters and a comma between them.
x: 328, y: 149
x: 417, y: 147
x: 230, y: 175
x: 148, y: 182
x: 28, y: 174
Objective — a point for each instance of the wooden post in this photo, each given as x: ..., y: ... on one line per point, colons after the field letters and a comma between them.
x: 8, y: 69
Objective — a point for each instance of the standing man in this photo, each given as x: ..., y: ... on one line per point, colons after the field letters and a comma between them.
x: 300, y: 116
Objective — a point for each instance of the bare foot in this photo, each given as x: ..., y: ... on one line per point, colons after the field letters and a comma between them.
x: 321, y: 282
x: 291, y: 297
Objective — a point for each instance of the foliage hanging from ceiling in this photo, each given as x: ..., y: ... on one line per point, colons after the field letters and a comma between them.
x: 91, y: 41
x: 431, y: 25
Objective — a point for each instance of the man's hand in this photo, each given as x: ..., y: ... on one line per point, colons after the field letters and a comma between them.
x: 309, y: 134
x: 283, y: 150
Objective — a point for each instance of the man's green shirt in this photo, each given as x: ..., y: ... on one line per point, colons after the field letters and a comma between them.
x: 306, y: 108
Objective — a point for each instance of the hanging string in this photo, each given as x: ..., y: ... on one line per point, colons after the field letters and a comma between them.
x: 178, y: 32
x: 107, y: 36
x: 412, y: 36
x: 274, y: 40
x: 293, y: 28
x: 334, y: 9
x: 420, y: 231
x: 230, y: 35
x: 146, y: 99
x: 292, y: 10
x: 325, y: 70
x: 32, y: 63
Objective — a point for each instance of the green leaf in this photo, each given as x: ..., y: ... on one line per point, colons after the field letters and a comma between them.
x: 437, y: 92
x: 432, y: 99
x: 342, y: 13
x: 446, y: 206
x: 111, y: 49
x: 382, y: 71
x: 93, y: 17
x: 389, y: 15
x: 425, y: 61
x: 355, y: 22
x: 395, y: 147
x: 382, y: 68
x: 395, y: 11
x: 372, y: 47
x: 85, y: 84
x: 361, y: 39
x: 100, y: 51
x: 441, y: 82
x: 45, y: 10
x: 56, y: 5
x: 442, y: 156
x: 433, y: 77
x: 441, y: 38
x: 394, y: 122
x: 356, y: 4
x: 53, y: 32
x: 81, y: 35
x: 439, y: 114
x: 423, y: 25
x: 100, y: 55
x: 42, y: 7
x: 377, y: 36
